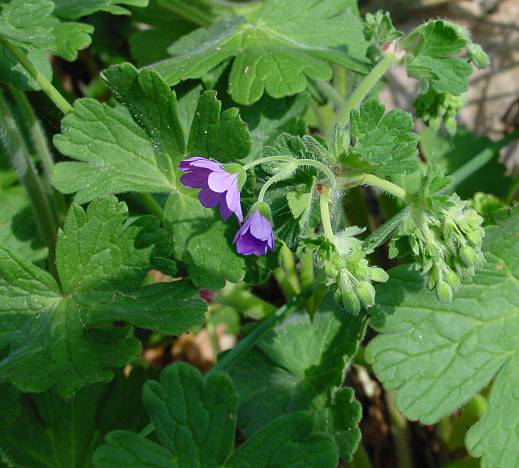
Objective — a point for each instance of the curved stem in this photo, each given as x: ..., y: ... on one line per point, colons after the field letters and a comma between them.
x: 324, y: 206
x: 320, y: 166
x: 369, y: 81
x: 151, y: 204
x: 39, y: 77
x: 277, y: 178
x: 267, y: 159
x: 376, y: 182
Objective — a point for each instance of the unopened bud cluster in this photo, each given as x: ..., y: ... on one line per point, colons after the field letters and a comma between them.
x: 446, y: 243
x: 346, y: 268
x: 437, y: 108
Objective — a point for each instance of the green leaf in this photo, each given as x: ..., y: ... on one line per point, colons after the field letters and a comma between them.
x: 288, y: 441
x: 438, y: 56
x: 18, y: 230
x: 384, y: 144
x: 286, y: 44
x: 436, y: 357
x: 63, y: 339
x: 212, y: 130
x: 137, y: 148
x: 268, y: 118
x: 12, y: 72
x: 70, y: 38
x: 28, y: 23
x: 74, y: 9
x: 203, y: 241
x: 9, y: 406
x: 300, y: 365
x: 195, y: 420
x: 66, y: 432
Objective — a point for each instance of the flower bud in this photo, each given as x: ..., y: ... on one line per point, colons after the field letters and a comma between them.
x: 452, y: 279
x: 468, y: 256
x: 473, y: 238
x: 444, y: 292
x: 366, y: 293
x: 377, y: 274
x: 348, y: 300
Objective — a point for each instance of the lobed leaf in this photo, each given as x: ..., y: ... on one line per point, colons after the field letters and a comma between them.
x: 436, y: 357
x: 384, y: 144
x: 195, y: 420
x: 300, y: 365
x: 277, y: 52
x: 63, y: 337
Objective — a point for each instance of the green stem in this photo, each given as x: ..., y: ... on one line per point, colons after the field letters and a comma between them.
x: 255, y: 335
x: 39, y: 77
x: 40, y: 143
x: 321, y: 167
x: 184, y: 10
x: 478, y: 161
x: 401, y: 434
x: 244, y: 301
x: 273, y: 180
x: 267, y: 159
x: 376, y: 182
x: 324, y: 206
x: 366, y: 85
x: 22, y: 161
x: 151, y: 204
x: 330, y: 93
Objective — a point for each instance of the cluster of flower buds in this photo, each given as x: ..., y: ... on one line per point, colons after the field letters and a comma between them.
x: 437, y: 108
x: 346, y: 268
x: 445, y: 241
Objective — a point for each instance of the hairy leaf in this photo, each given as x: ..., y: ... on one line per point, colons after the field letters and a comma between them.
x: 287, y: 43
x: 61, y: 338
x: 195, y: 420
x: 300, y: 365
x: 437, y: 56
x: 436, y: 357
x: 384, y: 144
x: 138, y: 148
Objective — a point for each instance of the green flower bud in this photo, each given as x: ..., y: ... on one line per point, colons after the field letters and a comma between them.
x: 377, y: 274
x: 444, y: 292
x: 366, y: 293
x: 478, y: 56
x: 473, y: 238
x: 452, y: 279
x: 468, y: 256
x: 348, y: 300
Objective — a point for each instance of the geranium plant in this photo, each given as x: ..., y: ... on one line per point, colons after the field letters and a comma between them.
x: 236, y: 161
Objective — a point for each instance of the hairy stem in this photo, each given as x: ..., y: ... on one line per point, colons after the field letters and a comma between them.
x: 376, y: 182
x: 366, y: 85
x: 38, y: 76
x: 41, y: 147
x: 324, y: 206
x: 21, y: 158
x: 273, y: 180
x: 267, y: 159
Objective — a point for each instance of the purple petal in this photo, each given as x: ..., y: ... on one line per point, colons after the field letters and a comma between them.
x: 196, y: 178
x: 246, y: 244
x: 261, y: 228
x: 232, y: 202
x: 207, y: 164
x: 222, y: 181
x: 208, y: 198
x: 225, y: 212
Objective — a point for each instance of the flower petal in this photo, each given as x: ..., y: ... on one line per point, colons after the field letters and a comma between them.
x: 232, y: 202
x: 222, y: 181
x: 207, y: 164
x: 246, y: 244
x: 261, y: 227
x: 196, y: 178
x: 208, y: 198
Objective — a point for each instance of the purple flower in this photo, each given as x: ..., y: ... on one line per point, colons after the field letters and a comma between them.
x: 219, y: 187
x: 255, y: 236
